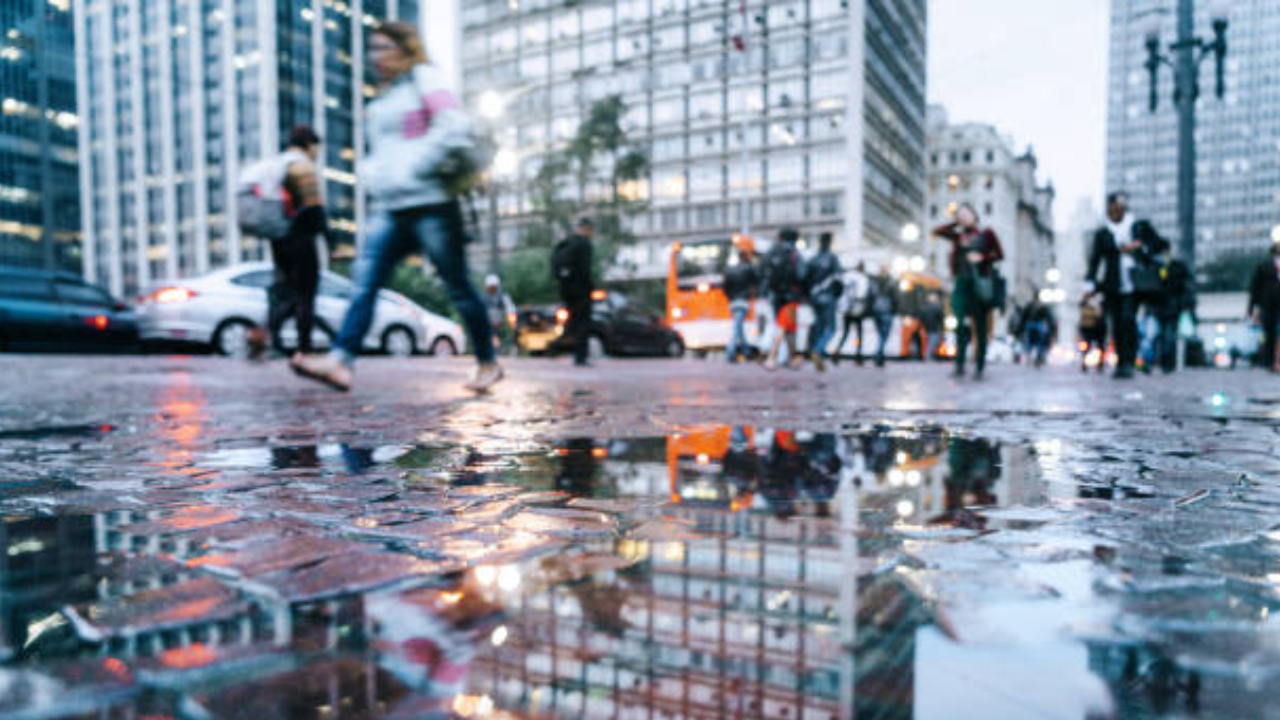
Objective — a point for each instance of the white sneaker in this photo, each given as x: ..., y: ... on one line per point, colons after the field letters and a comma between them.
x: 486, y: 376
x: 323, y: 368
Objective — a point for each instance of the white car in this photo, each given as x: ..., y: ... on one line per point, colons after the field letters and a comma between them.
x: 218, y: 309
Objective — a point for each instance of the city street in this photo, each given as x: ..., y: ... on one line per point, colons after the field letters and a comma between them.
x: 197, y: 537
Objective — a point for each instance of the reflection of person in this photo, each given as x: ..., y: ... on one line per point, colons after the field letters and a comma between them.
x: 974, y: 467
x: 413, y: 125
x: 974, y: 253
x: 783, y: 466
x: 577, y: 472
x: 1264, y: 306
x: 741, y: 464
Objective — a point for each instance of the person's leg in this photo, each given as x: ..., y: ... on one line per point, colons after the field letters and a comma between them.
x: 1267, y: 351
x: 1169, y: 344
x: 861, y: 321
x: 383, y: 246
x: 306, y: 282
x: 846, y: 322
x: 282, y: 294
x: 980, y: 330
x: 579, y: 329
x: 439, y: 233
x: 1129, y: 319
x: 828, y: 328
x: 884, y: 325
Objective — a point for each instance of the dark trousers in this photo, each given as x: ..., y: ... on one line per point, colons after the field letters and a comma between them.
x: 578, y: 327
x: 972, y: 315
x: 1267, y: 353
x: 851, y: 322
x: 293, y: 294
x: 1122, y: 316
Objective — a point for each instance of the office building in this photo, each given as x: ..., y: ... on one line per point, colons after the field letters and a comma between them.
x: 177, y: 96
x: 699, y: 79
x: 39, y: 223
x: 1237, y: 138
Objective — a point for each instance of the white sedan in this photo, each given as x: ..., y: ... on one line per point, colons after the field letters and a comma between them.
x: 218, y: 310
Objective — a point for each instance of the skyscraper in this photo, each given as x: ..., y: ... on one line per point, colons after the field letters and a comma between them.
x: 176, y: 96
x: 39, y: 222
x: 1238, y: 140
x: 699, y: 78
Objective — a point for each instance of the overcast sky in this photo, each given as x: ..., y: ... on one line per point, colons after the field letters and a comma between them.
x: 1036, y: 69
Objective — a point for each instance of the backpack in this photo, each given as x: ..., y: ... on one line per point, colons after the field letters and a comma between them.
x: 563, y: 265
x: 782, y: 269
x: 263, y: 206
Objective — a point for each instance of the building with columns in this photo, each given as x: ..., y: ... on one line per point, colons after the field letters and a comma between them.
x: 176, y: 96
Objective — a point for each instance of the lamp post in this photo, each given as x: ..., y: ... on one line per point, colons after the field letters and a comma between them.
x: 1185, y: 56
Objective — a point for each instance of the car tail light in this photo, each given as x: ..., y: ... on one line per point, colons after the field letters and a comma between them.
x: 99, y: 322
x: 168, y: 295
x: 562, y: 315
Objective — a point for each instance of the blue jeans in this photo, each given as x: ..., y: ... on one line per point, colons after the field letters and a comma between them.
x: 737, y: 341
x: 824, y: 325
x: 436, y: 231
x: 884, y: 326
x: 1036, y: 340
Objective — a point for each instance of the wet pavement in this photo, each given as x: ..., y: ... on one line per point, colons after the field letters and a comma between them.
x: 196, y: 538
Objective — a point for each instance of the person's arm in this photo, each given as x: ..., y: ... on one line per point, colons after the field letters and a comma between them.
x: 1095, y: 258
x: 303, y: 184
x: 947, y: 231
x: 1255, y: 292
x: 993, y: 251
x: 584, y: 262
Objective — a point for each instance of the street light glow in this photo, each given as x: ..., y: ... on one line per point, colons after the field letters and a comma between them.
x: 910, y: 232
x: 505, y: 162
x: 491, y: 105
x: 1053, y: 275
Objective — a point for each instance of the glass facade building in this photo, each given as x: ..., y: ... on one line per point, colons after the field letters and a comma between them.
x: 177, y: 96
x: 39, y: 223
x: 1237, y: 138
x: 698, y: 82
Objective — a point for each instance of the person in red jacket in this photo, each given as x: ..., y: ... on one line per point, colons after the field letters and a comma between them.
x: 974, y: 253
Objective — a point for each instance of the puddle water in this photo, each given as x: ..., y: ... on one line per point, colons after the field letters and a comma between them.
x: 718, y: 572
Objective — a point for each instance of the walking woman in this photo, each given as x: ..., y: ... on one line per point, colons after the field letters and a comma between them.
x: 974, y: 253
x: 413, y: 126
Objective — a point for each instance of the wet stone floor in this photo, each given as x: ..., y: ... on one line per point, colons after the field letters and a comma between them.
x: 887, y: 569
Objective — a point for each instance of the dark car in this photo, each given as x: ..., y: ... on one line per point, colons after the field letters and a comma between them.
x: 44, y: 310
x: 617, y: 328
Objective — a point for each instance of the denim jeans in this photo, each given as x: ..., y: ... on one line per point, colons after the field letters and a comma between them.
x: 824, y: 325
x: 884, y: 326
x: 738, y: 340
x: 435, y: 231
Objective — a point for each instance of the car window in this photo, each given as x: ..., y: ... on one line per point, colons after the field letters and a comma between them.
x: 255, y: 279
x: 25, y: 287
x: 82, y: 294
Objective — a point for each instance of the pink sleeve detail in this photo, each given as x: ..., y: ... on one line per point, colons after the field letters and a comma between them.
x: 418, y: 122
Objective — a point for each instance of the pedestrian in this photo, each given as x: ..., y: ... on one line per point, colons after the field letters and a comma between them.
x: 741, y: 285
x: 501, y: 312
x: 883, y: 308
x: 933, y: 316
x: 1038, y: 330
x: 974, y: 253
x: 297, y: 263
x: 785, y: 281
x: 1264, y: 306
x: 822, y: 278
x: 1177, y: 297
x: 418, y: 135
x: 1092, y: 330
x: 855, y: 307
x: 1113, y: 258
x: 571, y: 263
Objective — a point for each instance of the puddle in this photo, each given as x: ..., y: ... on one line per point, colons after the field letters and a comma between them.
x: 718, y: 572
x: 57, y: 431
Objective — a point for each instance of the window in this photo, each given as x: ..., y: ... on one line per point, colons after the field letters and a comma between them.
x: 967, y: 157
x: 20, y: 287
x: 991, y: 156
x: 987, y: 209
x: 82, y: 294
x: 257, y: 279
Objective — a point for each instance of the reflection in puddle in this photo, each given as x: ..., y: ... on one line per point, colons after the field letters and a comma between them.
x: 719, y: 572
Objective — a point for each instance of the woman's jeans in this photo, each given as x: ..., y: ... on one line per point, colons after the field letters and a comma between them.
x: 971, y: 313
x: 738, y: 341
x: 824, y: 326
x: 437, y: 232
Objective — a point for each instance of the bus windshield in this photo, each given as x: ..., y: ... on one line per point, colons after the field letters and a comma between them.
x: 703, y: 262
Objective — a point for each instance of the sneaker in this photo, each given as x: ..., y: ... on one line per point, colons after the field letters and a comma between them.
x: 819, y: 364
x: 486, y: 376
x: 1123, y: 374
x: 324, y: 369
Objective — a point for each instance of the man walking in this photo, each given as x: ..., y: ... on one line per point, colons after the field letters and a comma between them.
x: 297, y: 264
x: 741, y: 283
x: 571, y: 263
x: 1264, y: 306
x: 1115, y: 253
x: 883, y: 308
x: 786, y: 292
x: 822, y: 277
x: 501, y: 311
x: 855, y: 306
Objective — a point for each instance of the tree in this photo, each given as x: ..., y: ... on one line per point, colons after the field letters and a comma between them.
x: 608, y: 173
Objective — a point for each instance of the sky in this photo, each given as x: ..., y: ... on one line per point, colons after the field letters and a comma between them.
x: 1037, y: 70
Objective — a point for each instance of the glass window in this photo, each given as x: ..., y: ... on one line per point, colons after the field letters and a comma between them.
x: 21, y: 287
x: 256, y: 279
x: 82, y: 294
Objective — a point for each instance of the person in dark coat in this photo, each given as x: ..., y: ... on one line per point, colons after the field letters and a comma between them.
x: 741, y: 285
x: 974, y: 254
x: 1177, y: 296
x: 1264, y: 305
x: 784, y: 276
x: 571, y: 263
x: 1116, y: 252
x: 822, y: 278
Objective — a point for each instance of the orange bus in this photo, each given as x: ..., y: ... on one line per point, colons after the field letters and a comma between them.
x: 697, y: 306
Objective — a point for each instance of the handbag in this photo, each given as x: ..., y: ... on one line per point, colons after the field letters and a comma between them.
x: 984, y: 288
x: 1145, y: 278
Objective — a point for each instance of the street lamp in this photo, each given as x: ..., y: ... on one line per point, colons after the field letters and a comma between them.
x: 910, y: 232
x: 1185, y: 56
x: 490, y: 105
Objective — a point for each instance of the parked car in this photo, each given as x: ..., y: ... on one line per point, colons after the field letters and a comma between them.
x: 43, y: 310
x: 218, y: 309
x: 617, y: 328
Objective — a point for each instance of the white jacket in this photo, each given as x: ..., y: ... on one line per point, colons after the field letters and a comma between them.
x: 411, y: 127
